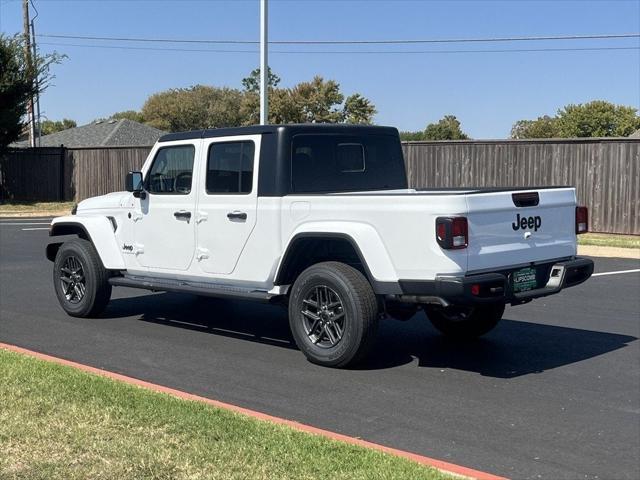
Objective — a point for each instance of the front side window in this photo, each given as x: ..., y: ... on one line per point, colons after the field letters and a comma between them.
x: 230, y: 167
x: 171, y: 171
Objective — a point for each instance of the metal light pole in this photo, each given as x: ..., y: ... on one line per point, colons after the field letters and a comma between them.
x: 264, y: 64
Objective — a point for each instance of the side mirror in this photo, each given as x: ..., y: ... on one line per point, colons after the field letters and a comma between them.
x: 133, y: 183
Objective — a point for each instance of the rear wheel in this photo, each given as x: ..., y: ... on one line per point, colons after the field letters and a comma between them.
x: 462, y: 322
x: 80, y: 279
x: 333, y: 314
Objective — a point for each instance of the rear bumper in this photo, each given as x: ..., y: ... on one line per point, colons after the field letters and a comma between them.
x: 496, y: 286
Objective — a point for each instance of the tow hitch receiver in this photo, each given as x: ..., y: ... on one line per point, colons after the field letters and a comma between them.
x: 556, y: 277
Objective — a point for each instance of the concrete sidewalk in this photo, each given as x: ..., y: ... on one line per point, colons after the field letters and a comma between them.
x: 610, y: 252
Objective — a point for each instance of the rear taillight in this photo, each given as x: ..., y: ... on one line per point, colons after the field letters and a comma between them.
x: 582, y: 220
x: 452, y: 232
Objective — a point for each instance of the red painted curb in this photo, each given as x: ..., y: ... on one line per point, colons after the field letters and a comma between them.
x: 431, y: 462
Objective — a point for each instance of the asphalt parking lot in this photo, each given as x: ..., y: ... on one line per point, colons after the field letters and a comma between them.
x: 553, y: 392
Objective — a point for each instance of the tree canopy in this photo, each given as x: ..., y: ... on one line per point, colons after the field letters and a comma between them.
x: 203, y: 106
x: 316, y: 101
x: 358, y: 109
x: 128, y: 115
x: 594, y: 119
x: 447, y: 128
x: 542, y: 127
x: 194, y: 108
x: 17, y: 84
x: 252, y: 82
x: 52, y: 126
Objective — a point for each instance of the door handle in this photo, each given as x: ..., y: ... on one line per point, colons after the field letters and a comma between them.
x: 182, y: 214
x: 237, y: 215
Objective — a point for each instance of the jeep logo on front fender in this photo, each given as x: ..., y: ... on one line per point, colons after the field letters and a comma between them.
x: 524, y: 223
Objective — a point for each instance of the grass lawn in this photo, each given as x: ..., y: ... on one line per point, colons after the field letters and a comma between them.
x: 609, y: 240
x: 58, y: 422
x: 35, y: 208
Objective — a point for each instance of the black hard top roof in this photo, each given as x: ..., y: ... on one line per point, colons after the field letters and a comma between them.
x: 345, y: 129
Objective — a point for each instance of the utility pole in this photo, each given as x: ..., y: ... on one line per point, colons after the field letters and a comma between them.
x: 264, y: 64
x: 35, y: 79
x: 30, y: 71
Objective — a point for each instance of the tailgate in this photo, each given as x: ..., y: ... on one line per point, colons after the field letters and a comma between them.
x: 515, y: 227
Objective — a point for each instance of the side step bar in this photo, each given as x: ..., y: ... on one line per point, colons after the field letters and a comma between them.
x: 196, y: 288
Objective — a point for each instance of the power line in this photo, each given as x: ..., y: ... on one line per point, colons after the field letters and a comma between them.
x: 350, y: 52
x: 352, y: 42
x: 157, y: 49
x: 323, y: 1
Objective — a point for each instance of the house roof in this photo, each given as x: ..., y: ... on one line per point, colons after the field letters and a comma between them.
x: 108, y: 133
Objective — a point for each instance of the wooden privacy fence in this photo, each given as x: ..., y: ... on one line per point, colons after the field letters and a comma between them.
x: 55, y: 174
x: 102, y: 170
x: 33, y: 174
x: 606, y: 172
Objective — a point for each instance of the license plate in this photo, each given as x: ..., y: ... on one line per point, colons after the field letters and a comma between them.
x: 524, y: 279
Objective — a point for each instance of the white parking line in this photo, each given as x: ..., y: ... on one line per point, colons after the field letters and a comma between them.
x: 29, y: 229
x: 25, y: 223
x: 616, y: 273
x: 25, y: 219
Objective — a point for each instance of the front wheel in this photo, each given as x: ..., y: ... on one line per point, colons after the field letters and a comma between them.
x: 81, y: 282
x: 461, y: 322
x: 333, y: 314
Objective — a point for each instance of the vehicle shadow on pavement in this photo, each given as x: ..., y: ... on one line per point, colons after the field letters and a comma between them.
x: 253, y: 321
x: 513, y: 349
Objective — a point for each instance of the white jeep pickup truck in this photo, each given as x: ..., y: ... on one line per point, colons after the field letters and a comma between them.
x: 320, y: 219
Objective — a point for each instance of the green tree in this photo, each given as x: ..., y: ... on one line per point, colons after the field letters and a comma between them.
x: 282, y: 107
x: 542, y: 127
x: 594, y: 119
x: 52, y: 126
x: 597, y: 119
x: 125, y: 114
x: 17, y: 84
x: 252, y: 82
x: 194, y: 108
x: 412, y: 136
x: 358, y: 109
x: 128, y: 115
x: 447, y: 128
x: 317, y: 101
x: 201, y: 106
x: 250, y: 108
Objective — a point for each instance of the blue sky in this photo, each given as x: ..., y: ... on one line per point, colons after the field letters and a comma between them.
x: 488, y: 92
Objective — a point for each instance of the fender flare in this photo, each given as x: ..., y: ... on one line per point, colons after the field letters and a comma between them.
x: 96, y: 229
x: 366, y: 242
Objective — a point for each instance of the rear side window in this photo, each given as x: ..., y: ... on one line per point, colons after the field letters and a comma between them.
x: 340, y: 163
x: 171, y: 171
x: 230, y: 167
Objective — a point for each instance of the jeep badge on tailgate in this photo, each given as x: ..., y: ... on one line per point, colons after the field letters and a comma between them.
x: 527, y: 222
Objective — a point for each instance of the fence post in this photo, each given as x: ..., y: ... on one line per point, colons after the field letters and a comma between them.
x: 61, y: 174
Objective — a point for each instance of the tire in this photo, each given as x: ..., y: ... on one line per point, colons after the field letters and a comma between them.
x: 80, y: 280
x: 340, y: 335
x: 464, y: 323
